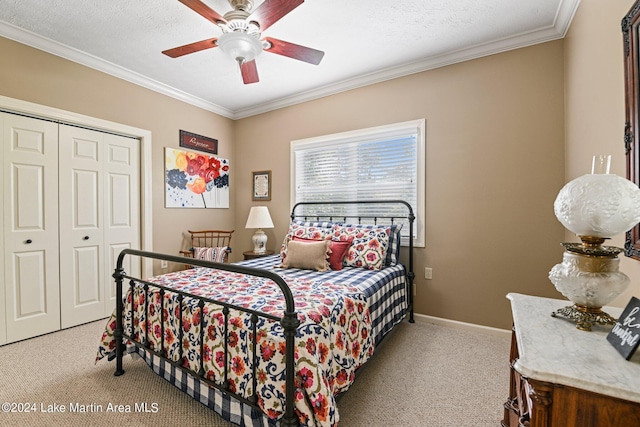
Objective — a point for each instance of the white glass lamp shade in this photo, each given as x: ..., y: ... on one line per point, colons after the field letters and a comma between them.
x: 240, y: 46
x: 598, y: 205
x: 589, y: 281
x: 259, y: 218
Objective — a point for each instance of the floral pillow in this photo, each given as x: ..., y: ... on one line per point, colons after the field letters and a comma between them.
x: 369, y: 247
x: 312, y: 232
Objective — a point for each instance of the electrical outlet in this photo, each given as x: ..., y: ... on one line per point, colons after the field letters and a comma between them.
x: 428, y: 273
x: 164, y: 263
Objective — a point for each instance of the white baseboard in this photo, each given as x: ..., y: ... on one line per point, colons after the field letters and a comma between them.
x: 462, y: 325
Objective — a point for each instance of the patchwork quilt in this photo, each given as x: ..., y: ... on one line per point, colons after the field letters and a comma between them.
x: 334, y: 337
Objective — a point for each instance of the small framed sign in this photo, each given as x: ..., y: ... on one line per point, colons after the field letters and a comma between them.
x: 261, y: 186
x: 625, y: 335
x: 198, y: 142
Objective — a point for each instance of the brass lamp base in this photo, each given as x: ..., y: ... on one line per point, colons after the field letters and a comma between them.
x: 584, y: 317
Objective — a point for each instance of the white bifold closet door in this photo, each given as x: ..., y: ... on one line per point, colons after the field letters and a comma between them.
x: 30, y: 227
x: 71, y: 204
x: 99, y: 216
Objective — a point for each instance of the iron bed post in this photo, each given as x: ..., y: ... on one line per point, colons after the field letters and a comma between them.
x: 117, y: 333
x: 410, y: 274
x: 290, y: 323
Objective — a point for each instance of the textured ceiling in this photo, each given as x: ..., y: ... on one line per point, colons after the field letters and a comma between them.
x: 365, y: 41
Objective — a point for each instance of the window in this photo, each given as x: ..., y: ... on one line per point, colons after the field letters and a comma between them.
x: 381, y: 163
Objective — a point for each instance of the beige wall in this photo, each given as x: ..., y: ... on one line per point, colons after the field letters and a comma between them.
x: 594, y: 87
x: 32, y: 75
x: 495, y: 162
x: 496, y: 152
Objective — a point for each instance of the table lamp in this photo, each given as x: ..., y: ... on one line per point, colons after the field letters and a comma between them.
x: 259, y: 218
x: 595, y: 207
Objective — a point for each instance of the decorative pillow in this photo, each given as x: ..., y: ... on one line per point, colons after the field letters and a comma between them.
x: 305, y: 232
x: 393, y: 251
x: 307, y: 255
x: 317, y: 224
x: 216, y: 254
x: 369, y: 247
x: 338, y: 250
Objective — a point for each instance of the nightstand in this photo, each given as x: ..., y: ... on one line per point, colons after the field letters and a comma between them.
x: 563, y: 377
x: 252, y: 255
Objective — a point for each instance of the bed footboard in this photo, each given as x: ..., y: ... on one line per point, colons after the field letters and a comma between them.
x: 289, y: 323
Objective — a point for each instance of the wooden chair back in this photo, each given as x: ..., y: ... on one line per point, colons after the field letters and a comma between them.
x: 209, y: 239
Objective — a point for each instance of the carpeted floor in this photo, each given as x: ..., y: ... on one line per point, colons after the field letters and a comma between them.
x: 422, y: 375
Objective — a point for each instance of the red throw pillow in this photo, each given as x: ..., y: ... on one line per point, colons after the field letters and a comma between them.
x: 338, y: 250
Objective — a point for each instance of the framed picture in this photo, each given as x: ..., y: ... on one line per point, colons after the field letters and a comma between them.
x: 193, y: 141
x: 261, y: 186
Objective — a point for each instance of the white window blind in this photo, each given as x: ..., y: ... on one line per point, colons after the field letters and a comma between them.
x: 382, y: 163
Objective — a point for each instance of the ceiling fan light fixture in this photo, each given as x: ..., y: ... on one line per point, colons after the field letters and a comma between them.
x: 240, y: 46
x: 241, y: 33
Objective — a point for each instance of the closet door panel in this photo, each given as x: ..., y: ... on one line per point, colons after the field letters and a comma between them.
x: 86, y: 282
x: 81, y: 225
x: 30, y: 217
x: 30, y: 295
x: 122, y: 223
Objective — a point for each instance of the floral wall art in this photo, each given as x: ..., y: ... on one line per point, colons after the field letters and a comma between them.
x: 195, y: 180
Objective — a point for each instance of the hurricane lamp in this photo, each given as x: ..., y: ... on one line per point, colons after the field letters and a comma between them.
x: 595, y: 207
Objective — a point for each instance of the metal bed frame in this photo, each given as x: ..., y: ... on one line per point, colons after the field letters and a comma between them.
x: 289, y: 321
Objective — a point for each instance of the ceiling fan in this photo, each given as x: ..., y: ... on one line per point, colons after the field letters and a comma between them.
x: 241, y: 31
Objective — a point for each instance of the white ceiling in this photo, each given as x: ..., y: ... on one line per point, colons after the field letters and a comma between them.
x: 365, y: 41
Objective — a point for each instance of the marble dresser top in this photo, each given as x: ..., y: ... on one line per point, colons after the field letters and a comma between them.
x: 551, y: 349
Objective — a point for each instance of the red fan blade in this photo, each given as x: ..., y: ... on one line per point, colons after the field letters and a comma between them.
x: 191, y: 47
x: 295, y: 51
x: 203, y: 10
x: 249, y: 72
x: 269, y: 12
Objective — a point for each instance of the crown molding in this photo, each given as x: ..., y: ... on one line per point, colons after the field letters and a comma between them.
x: 58, y: 49
x: 558, y: 30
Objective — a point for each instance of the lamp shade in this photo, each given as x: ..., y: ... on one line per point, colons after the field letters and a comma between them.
x: 598, y: 205
x: 259, y: 218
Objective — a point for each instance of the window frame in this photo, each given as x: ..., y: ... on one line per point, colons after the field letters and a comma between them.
x: 374, y: 133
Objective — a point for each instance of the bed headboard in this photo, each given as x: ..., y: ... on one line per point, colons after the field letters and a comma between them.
x: 364, y: 211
